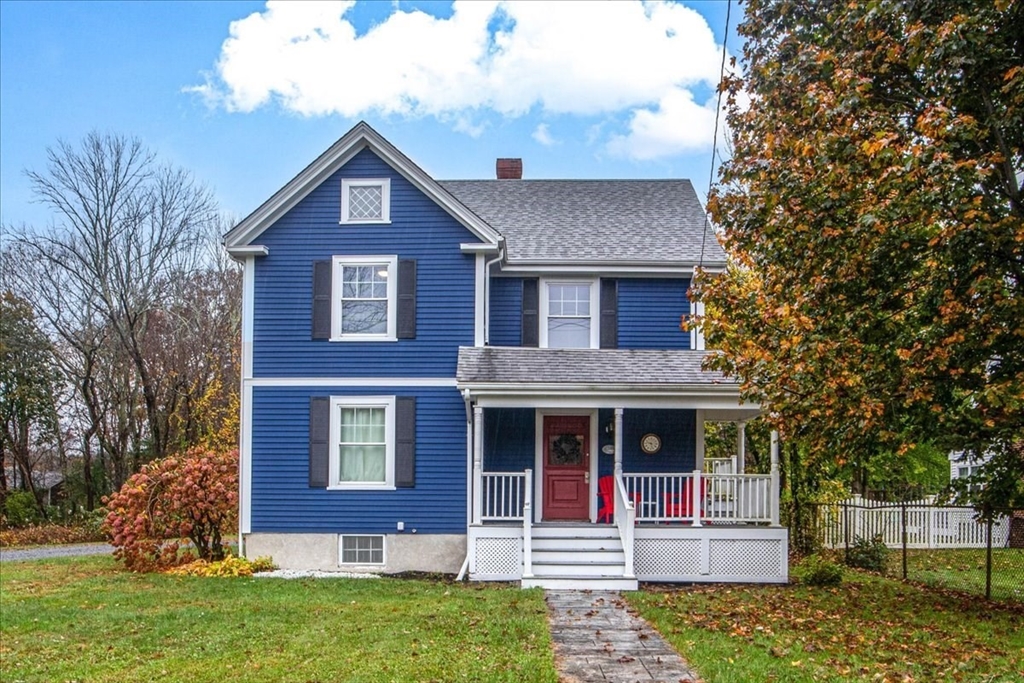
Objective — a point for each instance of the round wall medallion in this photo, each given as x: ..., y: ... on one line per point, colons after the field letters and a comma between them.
x: 650, y: 443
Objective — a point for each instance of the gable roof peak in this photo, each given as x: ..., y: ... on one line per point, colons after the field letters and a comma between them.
x: 361, y: 136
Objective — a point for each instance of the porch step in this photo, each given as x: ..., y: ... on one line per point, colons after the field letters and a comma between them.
x: 610, y: 555
x: 576, y: 543
x: 578, y: 556
x: 596, y: 583
x: 578, y: 568
x: 574, y: 531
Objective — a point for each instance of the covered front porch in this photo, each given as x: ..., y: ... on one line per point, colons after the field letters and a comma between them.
x: 607, y: 484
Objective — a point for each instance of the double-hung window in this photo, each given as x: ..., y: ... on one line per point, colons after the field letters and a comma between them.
x: 568, y: 315
x: 365, y: 307
x: 362, y: 442
x: 366, y: 200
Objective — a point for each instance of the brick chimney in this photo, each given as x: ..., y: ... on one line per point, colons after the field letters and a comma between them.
x: 509, y: 169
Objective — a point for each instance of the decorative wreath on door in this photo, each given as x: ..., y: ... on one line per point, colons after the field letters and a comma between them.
x: 566, y: 449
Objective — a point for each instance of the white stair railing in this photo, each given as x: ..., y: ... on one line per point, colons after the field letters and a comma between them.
x: 625, y: 520
x: 528, y: 526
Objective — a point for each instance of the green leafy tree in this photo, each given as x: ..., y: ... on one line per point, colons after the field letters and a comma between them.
x: 874, y: 218
x: 28, y: 381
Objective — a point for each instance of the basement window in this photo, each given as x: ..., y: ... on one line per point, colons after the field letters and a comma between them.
x: 362, y: 549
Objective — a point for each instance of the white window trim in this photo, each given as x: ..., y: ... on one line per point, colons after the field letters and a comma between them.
x: 392, y: 265
x: 339, y: 402
x: 384, y: 551
x: 385, y: 200
x: 595, y: 301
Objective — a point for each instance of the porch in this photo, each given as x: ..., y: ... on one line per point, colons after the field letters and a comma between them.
x: 586, y: 468
x: 731, y: 535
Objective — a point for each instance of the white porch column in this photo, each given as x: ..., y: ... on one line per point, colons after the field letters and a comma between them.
x: 775, y: 478
x: 699, y: 446
x: 478, y: 456
x: 618, y: 443
x: 741, y: 447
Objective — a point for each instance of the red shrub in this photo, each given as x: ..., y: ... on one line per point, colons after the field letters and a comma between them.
x: 193, y: 497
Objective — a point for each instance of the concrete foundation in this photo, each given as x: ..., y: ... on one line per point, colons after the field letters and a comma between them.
x: 402, y: 552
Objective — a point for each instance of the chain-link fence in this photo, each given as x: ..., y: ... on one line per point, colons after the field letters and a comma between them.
x: 939, y: 545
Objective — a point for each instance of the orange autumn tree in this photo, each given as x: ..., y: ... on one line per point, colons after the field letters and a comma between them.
x: 175, y: 509
x: 873, y: 211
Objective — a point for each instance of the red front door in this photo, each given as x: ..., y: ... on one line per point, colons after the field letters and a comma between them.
x: 566, y: 467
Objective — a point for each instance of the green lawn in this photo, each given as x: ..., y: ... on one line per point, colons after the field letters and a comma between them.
x: 964, y: 570
x: 868, y: 629
x: 83, y: 619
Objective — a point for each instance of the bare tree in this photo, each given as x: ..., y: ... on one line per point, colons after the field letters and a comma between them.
x: 125, y: 230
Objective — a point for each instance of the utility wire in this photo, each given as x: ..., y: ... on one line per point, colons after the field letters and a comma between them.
x: 714, y: 141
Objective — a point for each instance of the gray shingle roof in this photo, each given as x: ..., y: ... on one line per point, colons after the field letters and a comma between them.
x: 646, y: 221
x: 501, y: 365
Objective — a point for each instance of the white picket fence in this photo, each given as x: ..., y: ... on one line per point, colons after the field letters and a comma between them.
x: 927, y: 525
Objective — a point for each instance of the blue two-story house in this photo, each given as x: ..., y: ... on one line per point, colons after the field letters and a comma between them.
x: 487, y: 377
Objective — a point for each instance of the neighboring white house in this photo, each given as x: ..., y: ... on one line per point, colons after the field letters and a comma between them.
x: 961, y: 467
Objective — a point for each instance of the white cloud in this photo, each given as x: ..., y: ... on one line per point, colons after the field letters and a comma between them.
x: 679, y: 125
x: 575, y: 58
x: 542, y: 135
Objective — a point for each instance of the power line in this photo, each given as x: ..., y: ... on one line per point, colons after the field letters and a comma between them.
x: 714, y: 141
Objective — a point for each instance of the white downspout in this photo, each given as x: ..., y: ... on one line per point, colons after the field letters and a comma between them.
x: 487, y: 289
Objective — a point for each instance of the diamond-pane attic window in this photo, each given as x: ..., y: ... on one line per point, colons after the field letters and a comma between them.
x: 365, y: 201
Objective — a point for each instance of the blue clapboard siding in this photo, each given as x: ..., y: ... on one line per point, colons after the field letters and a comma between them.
x: 509, y: 439
x: 506, y: 312
x: 419, y: 229
x: 678, y: 432
x: 283, y: 502
x: 650, y: 311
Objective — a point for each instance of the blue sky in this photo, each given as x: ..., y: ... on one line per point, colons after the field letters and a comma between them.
x: 245, y: 94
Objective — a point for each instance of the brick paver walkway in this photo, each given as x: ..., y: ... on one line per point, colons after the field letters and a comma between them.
x: 598, y: 640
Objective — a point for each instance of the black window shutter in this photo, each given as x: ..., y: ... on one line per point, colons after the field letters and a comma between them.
x: 319, y: 435
x: 405, y: 442
x: 406, y: 299
x: 322, y: 300
x: 531, y: 312
x: 609, y: 314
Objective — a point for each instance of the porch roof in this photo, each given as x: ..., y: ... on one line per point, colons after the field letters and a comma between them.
x: 605, y: 368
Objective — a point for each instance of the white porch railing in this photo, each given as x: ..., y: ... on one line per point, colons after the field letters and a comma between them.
x: 720, y: 465
x: 723, y: 498
x: 504, y: 495
x: 625, y: 520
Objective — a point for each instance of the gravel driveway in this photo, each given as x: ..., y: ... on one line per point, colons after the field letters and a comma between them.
x: 46, y: 552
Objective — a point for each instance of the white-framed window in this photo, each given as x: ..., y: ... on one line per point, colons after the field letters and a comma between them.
x: 361, y: 549
x: 362, y: 442
x: 568, y: 314
x: 366, y: 200
x: 365, y: 291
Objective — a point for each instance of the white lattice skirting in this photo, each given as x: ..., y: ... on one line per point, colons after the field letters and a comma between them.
x: 707, y: 554
x: 497, y: 553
